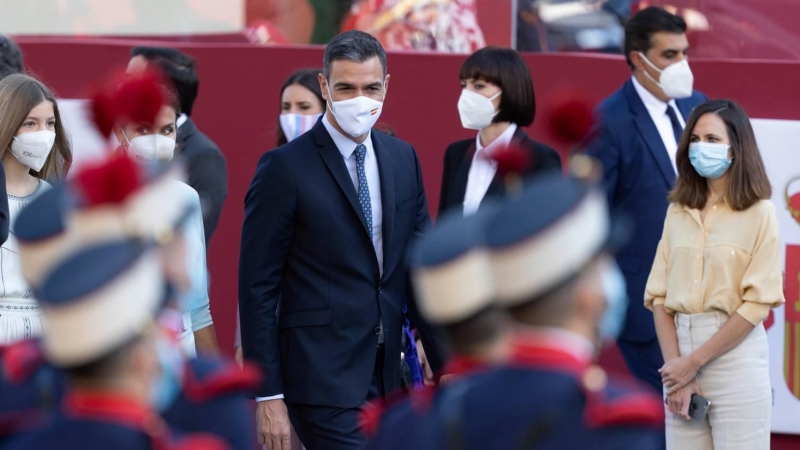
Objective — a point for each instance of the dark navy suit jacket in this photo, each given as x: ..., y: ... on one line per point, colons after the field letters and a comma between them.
x: 306, y: 253
x: 638, y: 178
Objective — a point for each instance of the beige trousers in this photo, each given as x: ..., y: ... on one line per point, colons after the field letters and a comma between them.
x: 737, y: 384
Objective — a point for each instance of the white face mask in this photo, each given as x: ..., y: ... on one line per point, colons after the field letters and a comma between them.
x: 151, y: 148
x: 476, y: 111
x: 676, y: 80
x: 294, y: 125
x: 31, y: 149
x: 356, y: 116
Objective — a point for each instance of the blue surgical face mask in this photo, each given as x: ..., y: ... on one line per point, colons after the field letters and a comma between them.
x: 167, y: 386
x: 614, y: 290
x: 709, y: 160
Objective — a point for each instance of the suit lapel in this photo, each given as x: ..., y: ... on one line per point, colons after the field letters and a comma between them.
x: 388, y: 200
x: 685, y: 106
x: 497, y: 188
x: 185, y: 131
x: 335, y: 162
x: 649, y: 132
x: 461, y: 177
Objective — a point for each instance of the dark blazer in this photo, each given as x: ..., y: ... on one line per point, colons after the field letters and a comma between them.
x: 458, y: 159
x: 638, y: 177
x: 207, y: 173
x: 306, y: 251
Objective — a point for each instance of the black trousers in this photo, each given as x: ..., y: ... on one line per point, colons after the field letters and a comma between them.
x: 329, y: 428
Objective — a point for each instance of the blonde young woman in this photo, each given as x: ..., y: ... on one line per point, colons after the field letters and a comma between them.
x: 716, y: 274
x: 33, y: 148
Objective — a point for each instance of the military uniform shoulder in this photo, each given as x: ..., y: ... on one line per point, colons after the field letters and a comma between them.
x: 19, y: 361
x: 619, y: 403
x: 207, y: 378
x: 377, y: 416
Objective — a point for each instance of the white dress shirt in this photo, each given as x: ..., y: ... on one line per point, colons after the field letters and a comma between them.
x: 181, y: 120
x: 348, y: 148
x: 483, y: 169
x: 658, y: 112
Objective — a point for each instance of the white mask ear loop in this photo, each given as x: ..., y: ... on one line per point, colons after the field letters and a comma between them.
x: 647, y: 74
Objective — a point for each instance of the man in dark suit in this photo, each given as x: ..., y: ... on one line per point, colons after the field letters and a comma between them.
x: 323, y: 277
x: 206, y: 167
x: 636, y: 140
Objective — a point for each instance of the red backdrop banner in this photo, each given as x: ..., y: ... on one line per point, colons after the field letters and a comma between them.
x: 238, y: 108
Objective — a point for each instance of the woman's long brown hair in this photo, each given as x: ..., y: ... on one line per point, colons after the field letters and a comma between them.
x: 747, y: 180
x: 19, y: 94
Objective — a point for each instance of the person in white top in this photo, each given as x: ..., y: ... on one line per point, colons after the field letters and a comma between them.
x: 34, y: 148
x: 153, y: 144
x: 497, y: 100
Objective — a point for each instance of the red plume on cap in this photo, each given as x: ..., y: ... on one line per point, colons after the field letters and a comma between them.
x: 569, y: 118
x: 512, y: 162
x: 137, y: 98
x: 110, y: 181
x: 511, y: 159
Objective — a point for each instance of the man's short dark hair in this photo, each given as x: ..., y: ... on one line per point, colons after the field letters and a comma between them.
x: 355, y: 46
x: 11, y: 60
x: 505, y: 68
x: 640, y: 29
x: 179, y: 67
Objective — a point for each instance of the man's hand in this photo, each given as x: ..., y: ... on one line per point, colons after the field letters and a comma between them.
x: 427, y: 373
x: 679, y: 401
x: 272, y: 421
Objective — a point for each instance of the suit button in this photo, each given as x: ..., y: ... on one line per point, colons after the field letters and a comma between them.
x: 380, y: 290
x: 377, y: 330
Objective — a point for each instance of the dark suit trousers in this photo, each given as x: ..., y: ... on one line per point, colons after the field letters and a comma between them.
x: 329, y: 428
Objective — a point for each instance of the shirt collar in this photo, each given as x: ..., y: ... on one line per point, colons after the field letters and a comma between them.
x: 502, y: 141
x: 651, y: 102
x: 345, y: 145
x: 181, y: 120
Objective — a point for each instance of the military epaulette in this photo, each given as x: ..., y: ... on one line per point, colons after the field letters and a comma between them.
x: 21, y: 360
x: 462, y: 365
x: 226, y: 378
x: 611, y: 404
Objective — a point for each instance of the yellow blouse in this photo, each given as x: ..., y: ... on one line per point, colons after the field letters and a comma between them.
x: 729, y: 263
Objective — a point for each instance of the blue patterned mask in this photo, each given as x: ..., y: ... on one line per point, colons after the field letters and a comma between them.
x: 617, y: 298
x: 709, y: 160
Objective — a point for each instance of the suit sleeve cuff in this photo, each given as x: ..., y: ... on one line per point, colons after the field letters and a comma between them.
x: 755, y: 313
x: 271, y: 397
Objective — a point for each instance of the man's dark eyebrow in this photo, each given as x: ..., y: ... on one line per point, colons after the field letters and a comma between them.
x: 342, y: 84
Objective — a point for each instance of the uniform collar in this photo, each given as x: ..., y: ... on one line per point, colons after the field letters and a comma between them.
x: 462, y: 365
x: 115, y: 408
x: 552, y: 348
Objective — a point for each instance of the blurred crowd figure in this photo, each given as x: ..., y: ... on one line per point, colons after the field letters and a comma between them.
x: 428, y: 25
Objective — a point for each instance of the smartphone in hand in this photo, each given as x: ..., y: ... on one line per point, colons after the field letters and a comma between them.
x: 698, y: 407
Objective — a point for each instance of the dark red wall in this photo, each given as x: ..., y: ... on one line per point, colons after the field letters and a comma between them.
x: 238, y: 108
